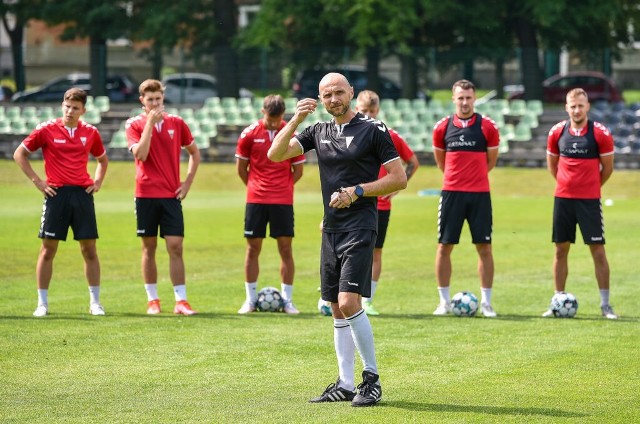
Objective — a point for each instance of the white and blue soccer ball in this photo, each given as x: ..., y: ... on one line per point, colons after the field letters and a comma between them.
x: 324, y: 307
x: 564, y: 305
x: 464, y: 304
x: 269, y: 300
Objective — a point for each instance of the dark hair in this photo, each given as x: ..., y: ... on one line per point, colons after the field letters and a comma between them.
x: 150, y: 85
x: 77, y: 95
x: 463, y: 84
x: 274, y: 105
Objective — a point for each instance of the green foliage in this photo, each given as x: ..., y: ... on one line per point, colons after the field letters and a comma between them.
x: 218, y: 367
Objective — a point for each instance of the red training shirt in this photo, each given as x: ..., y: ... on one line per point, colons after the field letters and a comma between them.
x: 66, y: 157
x: 466, y: 170
x: 268, y: 182
x: 579, y: 177
x: 159, y: 175
x: 405, y: 152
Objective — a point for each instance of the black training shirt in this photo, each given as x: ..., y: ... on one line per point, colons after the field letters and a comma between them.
x: 348, y: 157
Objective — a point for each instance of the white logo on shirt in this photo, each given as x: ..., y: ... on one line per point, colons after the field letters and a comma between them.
x: 83, y: 140
x: 258, y: 140
x: 323, y: 141
x: 58, y: 140
x: 349, y: 140
x: 171, y: 132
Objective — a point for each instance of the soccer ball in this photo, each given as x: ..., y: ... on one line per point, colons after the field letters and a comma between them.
x: 324, y: 307
x: 464, y: 304
x: 564, y: 305
x: 269, y: 300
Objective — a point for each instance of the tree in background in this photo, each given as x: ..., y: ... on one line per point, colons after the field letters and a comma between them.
x: 98, y: 21
x: 15, y: 15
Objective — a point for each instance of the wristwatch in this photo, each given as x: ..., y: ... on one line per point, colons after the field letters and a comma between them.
x: 359, y: 191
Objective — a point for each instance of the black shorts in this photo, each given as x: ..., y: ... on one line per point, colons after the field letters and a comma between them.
x: 585, y: 212
x: 71, y: 207
x: 455, y: 207
x: 279, y: 217
x: 345, y: 263
x: 165, y: 213
x: 383, y: 224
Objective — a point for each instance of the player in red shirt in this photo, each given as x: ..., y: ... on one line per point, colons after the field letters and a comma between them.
x: 368, y: 103
x: 269, y: 200
x: 68, y: 192
x: 156, y: 139
x: 580, y: 158
x: 465, y: 147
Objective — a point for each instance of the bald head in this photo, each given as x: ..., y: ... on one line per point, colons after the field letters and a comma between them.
x: 333, y: 79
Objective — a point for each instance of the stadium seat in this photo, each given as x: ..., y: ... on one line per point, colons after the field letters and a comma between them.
x: 202, y: 141
x: 46, y: 113
x: 92, y: 116
x: 212, y: 102
x: 102, y: 103
x: 118, y: 139
x: 13, y: 112
x: 29, y: 112
x: 210, y: 129
x: 531, y: 119
x: 522, y: 132
x: 19, y: 126
x: 187, y: 113
x: 517, y: 107
x: 290, y: 104
x: 5, y: 126
x: 535, y: 106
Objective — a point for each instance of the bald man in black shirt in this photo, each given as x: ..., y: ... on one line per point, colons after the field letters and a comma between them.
x: 350, y: 149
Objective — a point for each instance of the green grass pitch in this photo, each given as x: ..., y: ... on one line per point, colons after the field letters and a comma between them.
x: 218, y: 367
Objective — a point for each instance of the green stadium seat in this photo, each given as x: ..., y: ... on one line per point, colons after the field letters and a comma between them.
x: 13, y: 112
x: 118, y: 139
x: 522, y: 132
x: 5, y: 126
x: 187, y: 113
x: 46, y: 113
x: 92, y: 116
x: 212, y: 102
x: 535, y: 106
x: 531, y: 119
x: 102, y: 103
x: 517, y: 107
x: 29, y: 112
x: 19, y: 126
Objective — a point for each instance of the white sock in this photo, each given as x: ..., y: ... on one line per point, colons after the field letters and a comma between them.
x: 345, y: 352
x: 374, y: 286
x: 485, y: 295
x: 94, y: 294
x: 251, y: 290
x: 287, y: 292
x: 363, y: 338
x: 180, y: 292
x: 43, y: 296
x: 152, y: 291
x: 604, y: 297
x: 445, y: 297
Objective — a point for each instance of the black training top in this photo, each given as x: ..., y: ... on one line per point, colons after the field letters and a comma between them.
x: 348, y: 156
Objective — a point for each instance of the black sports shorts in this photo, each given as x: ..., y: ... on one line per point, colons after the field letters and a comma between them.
x: 585, y: 212
x: 279, y: 217
x: 165, y: 213
x: 457, y: 206
x: 71, y: 207
x: 345, y: 263
x: 383, y: 224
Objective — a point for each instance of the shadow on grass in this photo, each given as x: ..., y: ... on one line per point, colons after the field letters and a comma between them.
x: 502, y: 317
x: 482, y: 409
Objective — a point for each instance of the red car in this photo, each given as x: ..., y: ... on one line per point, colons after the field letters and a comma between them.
x: 597, y: 85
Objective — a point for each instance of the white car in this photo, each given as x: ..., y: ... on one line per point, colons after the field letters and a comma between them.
x: 193, y: 88
x: 189, y: 87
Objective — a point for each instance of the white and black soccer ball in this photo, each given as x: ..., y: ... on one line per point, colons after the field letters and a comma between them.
x: 464, y: 304
x: 324, y: 307
x: 564, y: 305
x: 269, y: 300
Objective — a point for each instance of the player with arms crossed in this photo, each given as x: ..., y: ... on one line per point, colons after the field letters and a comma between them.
x: 368, y: 103
x: 68, y: 192
x: 156, y: 139
x: 465, y: 148
x: 269, y: 200
x: 350, y: 149
x: 580, y: 158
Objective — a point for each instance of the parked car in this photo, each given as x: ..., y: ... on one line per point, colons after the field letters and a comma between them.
x: 193, y: 87
x: 306, y: 82
x: 120, y: 88
x: 598, y: 86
